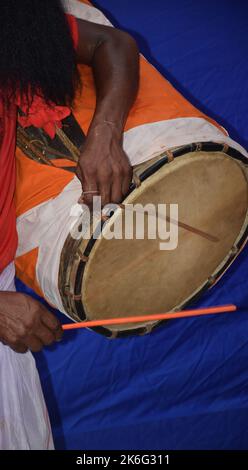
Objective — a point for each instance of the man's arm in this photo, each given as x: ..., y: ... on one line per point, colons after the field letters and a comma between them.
x: 114, y: 58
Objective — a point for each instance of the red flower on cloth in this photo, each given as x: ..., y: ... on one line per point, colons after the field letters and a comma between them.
x: 42, y: 115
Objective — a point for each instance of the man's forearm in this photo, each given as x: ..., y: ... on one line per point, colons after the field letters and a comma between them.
x: 116, y: 72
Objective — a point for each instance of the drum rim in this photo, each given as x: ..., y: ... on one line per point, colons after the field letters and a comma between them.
x: 71, y: 294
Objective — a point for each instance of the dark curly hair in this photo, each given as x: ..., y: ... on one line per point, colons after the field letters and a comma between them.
x: 37, y: 55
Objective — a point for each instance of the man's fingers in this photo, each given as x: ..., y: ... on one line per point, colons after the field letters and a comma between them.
x: 109, y: 181
x: 105, y: 191
x: 121, y: 184
x: 47, y: 328
x: 45, y: 335
x: 116, y: 192
x: 90, y: 190
x: 12, y: 340
x: 34, y: 343
x: 15, y: 344
x: 51, y: 322
x: 19, y: 348
x: 127, y: 181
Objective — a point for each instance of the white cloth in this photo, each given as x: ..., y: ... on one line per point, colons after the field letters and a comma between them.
x: 85, y: 12
x: 24, y: 421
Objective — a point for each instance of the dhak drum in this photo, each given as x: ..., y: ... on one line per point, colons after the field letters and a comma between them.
x: 118, y: 277
x: 101, y: 277
x: 114, y: 277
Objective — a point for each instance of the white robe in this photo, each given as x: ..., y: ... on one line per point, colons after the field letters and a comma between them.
x: 24, y: 421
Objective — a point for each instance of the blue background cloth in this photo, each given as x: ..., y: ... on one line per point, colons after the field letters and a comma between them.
x: 186, y: 385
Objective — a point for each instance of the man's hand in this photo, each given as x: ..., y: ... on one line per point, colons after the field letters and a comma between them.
x: 103, y: 167
x: 26, y: 324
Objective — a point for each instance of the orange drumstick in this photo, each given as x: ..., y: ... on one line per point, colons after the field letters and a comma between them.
x: 155, y: 317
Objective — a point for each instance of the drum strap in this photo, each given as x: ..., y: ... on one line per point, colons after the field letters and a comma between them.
x: 38, y: 146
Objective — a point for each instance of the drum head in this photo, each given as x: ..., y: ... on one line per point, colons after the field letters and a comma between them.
x: 134, y: 277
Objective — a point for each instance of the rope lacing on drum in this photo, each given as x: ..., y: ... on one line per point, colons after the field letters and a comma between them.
x: 72, y: 295
x: 169, y: 155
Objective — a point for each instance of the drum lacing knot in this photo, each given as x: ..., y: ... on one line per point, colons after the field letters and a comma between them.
x: 136, y: 180
x: 148, y: 329
x: 211, y: 280
x: 114, y: 335
x: 71, y: 295
x: 105, y: 217
x: 234, y: 250
x: 169, y: 155
x: 83, y: 257
x: 198, y: 146
x: 225, y: 148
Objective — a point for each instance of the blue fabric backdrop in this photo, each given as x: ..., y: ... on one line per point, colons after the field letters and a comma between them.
x: 186, y: 385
